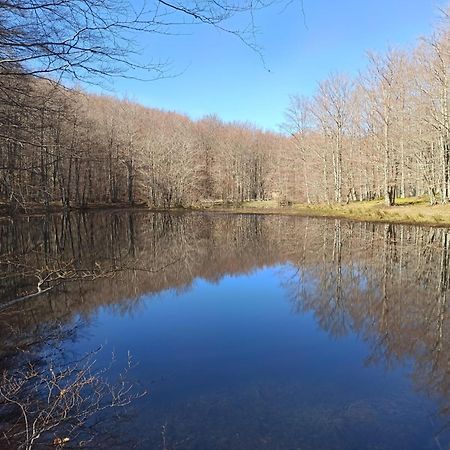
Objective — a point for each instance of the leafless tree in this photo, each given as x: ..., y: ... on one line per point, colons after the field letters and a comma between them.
x: 59, y: 403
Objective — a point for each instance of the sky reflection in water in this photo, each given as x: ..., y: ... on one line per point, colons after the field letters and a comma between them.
x: 255, y: 332
x: 233, y: 366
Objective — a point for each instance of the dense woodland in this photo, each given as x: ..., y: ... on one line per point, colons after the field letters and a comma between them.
x: 80, y: 149
x: 384, y: 134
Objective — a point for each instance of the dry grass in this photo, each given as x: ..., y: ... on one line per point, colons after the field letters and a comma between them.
x: 413, y: 210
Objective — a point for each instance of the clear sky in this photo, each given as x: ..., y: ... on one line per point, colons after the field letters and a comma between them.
x: 221, y: 76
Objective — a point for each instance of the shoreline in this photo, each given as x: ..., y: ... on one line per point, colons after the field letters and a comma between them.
x: 330, y: 214
x: 411, y: 211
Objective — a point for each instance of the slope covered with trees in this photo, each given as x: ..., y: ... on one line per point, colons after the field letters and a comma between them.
x: 79, y: 150
x: 60, y: 146
x: 384, y: 134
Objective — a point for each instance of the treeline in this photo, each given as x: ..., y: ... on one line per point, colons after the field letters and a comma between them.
x: 384, y: 134
x: 74, y: 149
x: 63, y: 147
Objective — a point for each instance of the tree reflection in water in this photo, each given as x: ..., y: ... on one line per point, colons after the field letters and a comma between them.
x: 388, y: 284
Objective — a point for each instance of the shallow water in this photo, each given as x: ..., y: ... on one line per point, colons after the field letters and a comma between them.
x: 250, y: 332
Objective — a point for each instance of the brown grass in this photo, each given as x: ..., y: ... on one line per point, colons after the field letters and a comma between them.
x: 413, y: 210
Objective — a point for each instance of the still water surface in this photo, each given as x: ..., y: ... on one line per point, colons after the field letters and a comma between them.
x: 251, y: 332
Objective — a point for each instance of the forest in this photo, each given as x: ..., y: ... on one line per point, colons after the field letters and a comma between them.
x: 384, y: 134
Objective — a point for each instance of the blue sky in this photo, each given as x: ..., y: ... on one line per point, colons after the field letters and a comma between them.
x: 220, y: 75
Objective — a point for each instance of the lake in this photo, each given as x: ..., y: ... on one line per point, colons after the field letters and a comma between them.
x: 246, y: 331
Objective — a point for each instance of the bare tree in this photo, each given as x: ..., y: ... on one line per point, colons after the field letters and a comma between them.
x: 59, y: 403
x: 85, y: 39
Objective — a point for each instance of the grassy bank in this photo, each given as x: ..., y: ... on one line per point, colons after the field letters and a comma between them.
x: 416, y: 211
x: 407, y: 211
